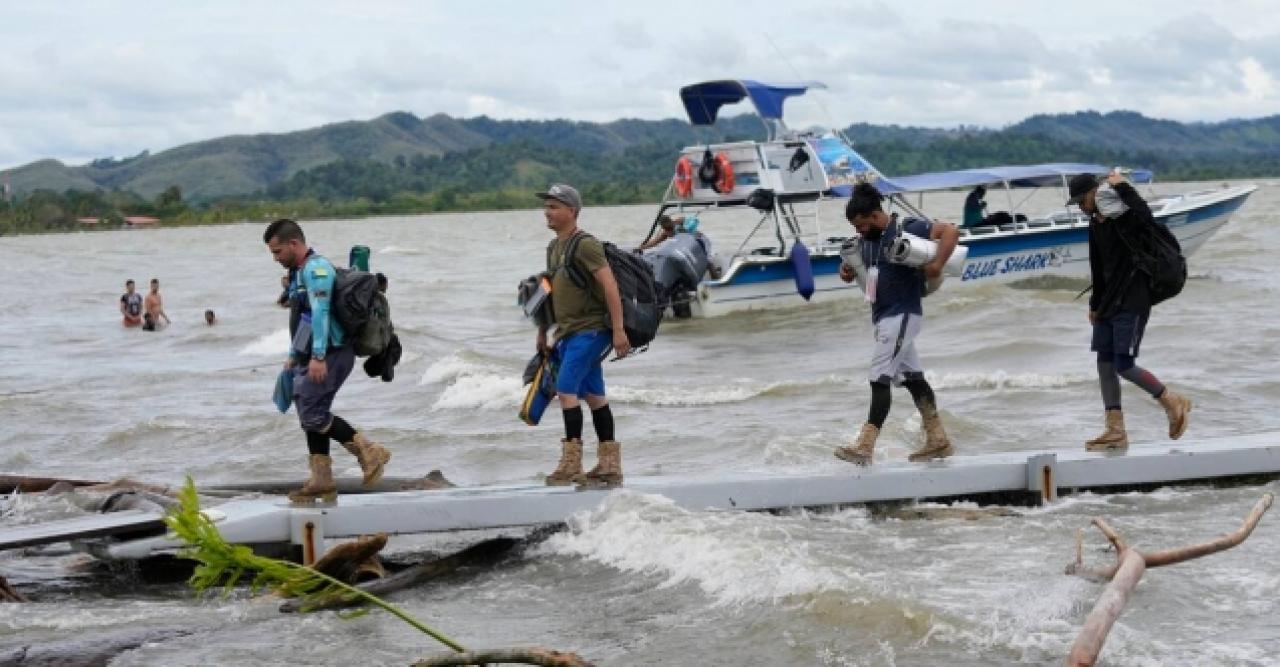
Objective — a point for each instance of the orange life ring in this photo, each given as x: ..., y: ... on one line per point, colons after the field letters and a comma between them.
x: 684, y: 176
x: 724, y: 174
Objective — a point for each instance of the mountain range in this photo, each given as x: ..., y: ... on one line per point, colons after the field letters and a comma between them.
x: 255, y: 165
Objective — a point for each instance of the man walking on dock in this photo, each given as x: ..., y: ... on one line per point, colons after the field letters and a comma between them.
x: 1120, y: 303
x: 583, y: 305
x: 897, y: 316
x: 321, y: 362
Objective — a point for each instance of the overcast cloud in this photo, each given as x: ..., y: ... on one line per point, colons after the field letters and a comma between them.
x: 81, y: 80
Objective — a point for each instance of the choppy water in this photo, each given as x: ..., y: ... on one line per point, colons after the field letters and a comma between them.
x: 638, y: 581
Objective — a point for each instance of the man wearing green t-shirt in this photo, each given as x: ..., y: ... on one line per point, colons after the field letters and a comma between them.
x: 583, y: 338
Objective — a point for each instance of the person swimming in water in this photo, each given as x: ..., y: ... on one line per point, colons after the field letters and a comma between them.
x: 131, y: 305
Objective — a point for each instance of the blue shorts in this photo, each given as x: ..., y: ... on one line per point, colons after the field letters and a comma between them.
x: 580, y: 356
x: 1119, y: 334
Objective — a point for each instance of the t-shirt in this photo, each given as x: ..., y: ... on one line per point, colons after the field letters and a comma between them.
x: 577, y: 309
x: 899, y: 288
x: 132, y: 303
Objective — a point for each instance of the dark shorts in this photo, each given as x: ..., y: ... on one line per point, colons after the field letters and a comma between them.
x: 314, y: 401
x: 580, y: 356
x: 1119, y: 334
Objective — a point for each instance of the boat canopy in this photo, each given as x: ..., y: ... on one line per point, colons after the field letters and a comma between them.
x: 702, y: 101
x: 1018, y: 176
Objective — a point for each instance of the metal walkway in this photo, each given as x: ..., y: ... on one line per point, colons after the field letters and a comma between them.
x: 1039, y: 475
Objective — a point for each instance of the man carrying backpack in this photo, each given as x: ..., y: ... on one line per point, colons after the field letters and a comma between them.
x: 582, y: 338
x: 321, y: 360
x: 1121, y: 301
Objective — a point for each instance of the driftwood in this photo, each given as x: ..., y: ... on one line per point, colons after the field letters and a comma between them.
x: 913, y: 512
x: 485, y: 551
x: 10, y: 594
x: 354, y: 561
x: 522, y: 656
x: 1128, y: 570
x: 346, y: 485
x: 25, y: 484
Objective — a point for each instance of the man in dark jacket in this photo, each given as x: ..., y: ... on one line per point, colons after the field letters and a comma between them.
x: 1120, y: 303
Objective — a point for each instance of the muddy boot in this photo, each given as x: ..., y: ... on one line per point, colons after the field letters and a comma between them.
x: 1177, y: 407
x: 1113, y: 435
x: 936, y: 443
x: 373, y: 458
x: 570, y: 465
x: 608, y: 471
x: 320, y: 487
x: 863, y: 448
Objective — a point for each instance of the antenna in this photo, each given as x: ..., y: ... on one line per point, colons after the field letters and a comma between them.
x: 796, y: 73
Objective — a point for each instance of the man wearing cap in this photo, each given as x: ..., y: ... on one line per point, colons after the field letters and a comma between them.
x: 583, y: 338
x: 1120, y: 303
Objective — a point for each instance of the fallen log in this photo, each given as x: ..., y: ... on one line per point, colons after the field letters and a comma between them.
x: 95, y: 650
x: 353, y: 561
x: 482, y: 552
x: 1124, y: 576
x: 26, y: 484
x: 10, y: 594
x: 523, y: 656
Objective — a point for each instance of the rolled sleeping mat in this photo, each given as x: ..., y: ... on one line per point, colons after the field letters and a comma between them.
x: 912, y: 250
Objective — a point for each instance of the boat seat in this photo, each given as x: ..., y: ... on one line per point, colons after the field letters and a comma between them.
x: 765, y: 251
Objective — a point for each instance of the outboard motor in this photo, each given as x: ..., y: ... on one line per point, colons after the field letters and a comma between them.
x: 678, y: 266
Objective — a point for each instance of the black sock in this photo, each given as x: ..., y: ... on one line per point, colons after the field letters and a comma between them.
x: 341, y: 431
x: 880, y: 402
x: 573, y: 423
x: 317, y: 443
x: 602, y: 418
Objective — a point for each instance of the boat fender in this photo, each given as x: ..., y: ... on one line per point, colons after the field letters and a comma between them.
x: 724, y: 174
x: 802, y: 269
x: 684, y: 176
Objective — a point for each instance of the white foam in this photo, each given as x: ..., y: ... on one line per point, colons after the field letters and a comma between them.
x: 735, y: 558
x: 1003, y: 380
x: 398, y: 250
x: 482, y: 391
x: 686, y: 396
x: 275, y: 344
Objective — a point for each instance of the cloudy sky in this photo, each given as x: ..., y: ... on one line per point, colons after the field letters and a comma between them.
x: 80, y: 80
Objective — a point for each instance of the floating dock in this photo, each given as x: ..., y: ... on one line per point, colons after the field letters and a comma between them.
x: 1036, y: 476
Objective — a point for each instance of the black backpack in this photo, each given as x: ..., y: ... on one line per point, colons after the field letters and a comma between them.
x: 1157, y: 253
x: 362, y: 310
x: 641, y: 308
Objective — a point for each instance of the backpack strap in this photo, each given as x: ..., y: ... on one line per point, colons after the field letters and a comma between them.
x: 570, y: 253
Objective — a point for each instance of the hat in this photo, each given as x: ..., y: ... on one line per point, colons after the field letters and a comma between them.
x: 565, y: 194
x: 1080, y: 185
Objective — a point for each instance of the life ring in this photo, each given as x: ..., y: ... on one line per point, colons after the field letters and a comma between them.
x: 724, y: 174
x: 684, y: 176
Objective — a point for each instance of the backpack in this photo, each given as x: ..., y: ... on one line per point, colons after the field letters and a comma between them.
x: 1157, y: 253
x: 641, y: 307
x: 362, y: 311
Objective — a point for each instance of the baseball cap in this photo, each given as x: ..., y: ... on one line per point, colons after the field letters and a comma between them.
x: 565, y: 194
x: 1079, y: 186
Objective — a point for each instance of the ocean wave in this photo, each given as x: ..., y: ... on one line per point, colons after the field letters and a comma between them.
x: 398, y: 250
x: 275, y: 343
x: 736, y: 392
x: 1003, y: 380
x: 472, y: 382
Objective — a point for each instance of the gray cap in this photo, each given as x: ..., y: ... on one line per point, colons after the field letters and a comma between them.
x: 565, y: 194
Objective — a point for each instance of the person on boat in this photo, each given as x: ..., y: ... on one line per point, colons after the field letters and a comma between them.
x: 153, y: 306
x: 669, y: 226
x: 897, y: 317
x: 582, y: 339
x: 131, y: 305
x: 321, y: 361
x: 209, y: 318
x: 1119, y: 305
x: 975, y: 208
x: 666, y: 229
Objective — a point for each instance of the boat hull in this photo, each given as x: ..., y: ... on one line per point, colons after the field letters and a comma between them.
x: 1040, y: 248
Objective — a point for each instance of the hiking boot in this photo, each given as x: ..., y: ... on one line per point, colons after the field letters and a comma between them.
x: 1177, y: 407
x: 1113, y: 434
x: 320, y: 487
x: 373, y: 458
x: 863, y: 448
x: 936, y: 443
x: 608, y: 470
x: 570, y: 465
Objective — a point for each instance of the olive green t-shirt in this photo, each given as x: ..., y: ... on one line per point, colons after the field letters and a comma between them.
x: 577, y: 309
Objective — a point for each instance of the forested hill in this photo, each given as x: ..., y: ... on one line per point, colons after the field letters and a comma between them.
x: 400, y: 152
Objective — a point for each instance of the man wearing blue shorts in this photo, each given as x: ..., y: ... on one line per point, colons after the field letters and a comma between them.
x: 1120, y: 304
x: 583, y: 338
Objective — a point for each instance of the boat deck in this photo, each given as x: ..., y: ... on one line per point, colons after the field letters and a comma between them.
x: 1029, y: 476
